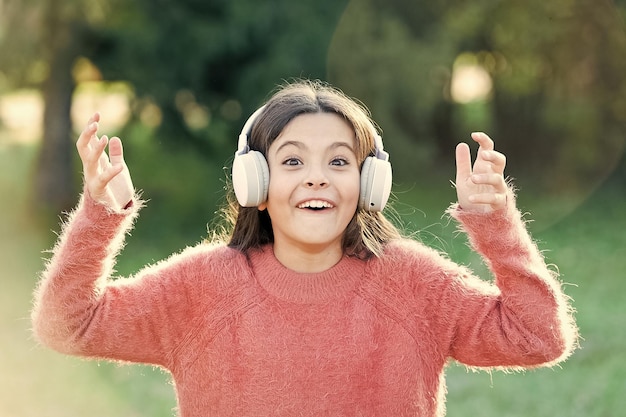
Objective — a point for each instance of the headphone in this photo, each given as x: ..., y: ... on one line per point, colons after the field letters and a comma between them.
x: 251, y: 176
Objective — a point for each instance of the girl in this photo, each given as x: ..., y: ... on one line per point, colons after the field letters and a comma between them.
x: 315, y: 305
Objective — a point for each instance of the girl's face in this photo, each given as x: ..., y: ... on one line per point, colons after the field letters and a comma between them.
x: 314, y: 187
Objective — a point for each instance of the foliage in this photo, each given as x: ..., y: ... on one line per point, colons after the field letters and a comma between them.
x: 557, y: 107
x: 201, y: 66
x: 29, y: 32
x: 183, y: 195
x: 569, y: 76
x: 198, y: 68
x: 208, y: 64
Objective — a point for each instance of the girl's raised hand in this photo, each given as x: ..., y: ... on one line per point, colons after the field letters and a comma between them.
x: 107, y: 178
x: 481, y: 188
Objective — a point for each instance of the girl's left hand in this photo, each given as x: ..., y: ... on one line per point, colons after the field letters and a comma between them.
x: 481, y: 188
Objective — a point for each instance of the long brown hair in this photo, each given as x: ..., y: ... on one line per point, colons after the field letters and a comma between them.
x: 250, y: 228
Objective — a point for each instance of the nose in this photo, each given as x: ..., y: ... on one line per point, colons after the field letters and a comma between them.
x: 314, y: 184
x: 316, y: 178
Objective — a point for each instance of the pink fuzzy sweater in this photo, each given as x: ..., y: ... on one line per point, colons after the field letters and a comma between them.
x: 245, y: 336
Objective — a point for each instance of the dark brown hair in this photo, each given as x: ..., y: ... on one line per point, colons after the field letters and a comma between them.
x: 250, y: 228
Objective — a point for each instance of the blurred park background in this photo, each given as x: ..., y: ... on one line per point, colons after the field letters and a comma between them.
x: 177, y: 79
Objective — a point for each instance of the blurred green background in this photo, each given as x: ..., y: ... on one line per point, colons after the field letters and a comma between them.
x: 177, y: 79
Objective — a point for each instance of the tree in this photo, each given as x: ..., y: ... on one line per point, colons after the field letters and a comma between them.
x: 557, y: 104
x: 39, y: 44
x: 55, y: 171
x: 215, y: 60
x: 567, y: 87
x: 204, y: 64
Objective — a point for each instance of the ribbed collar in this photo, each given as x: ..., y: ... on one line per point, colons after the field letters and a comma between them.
x: 286, y: 284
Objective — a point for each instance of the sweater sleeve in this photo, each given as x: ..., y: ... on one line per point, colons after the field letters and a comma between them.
x: 80, y: 310
x: 526, y: 321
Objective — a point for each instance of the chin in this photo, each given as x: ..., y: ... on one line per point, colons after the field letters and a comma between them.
x: 321, y: 244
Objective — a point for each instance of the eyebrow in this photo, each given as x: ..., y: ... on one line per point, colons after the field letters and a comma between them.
x: 303, y: 146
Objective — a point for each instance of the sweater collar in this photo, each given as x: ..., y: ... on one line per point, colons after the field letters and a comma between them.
x: 286, y: 284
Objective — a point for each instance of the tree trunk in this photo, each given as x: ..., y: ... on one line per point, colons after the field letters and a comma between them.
x: 54, y: 178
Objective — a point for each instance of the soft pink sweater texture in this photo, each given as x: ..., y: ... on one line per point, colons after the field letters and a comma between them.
x: 245, y: 336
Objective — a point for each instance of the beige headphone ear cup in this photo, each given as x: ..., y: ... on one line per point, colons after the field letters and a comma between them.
x: 375, y: 184
x: 250, y: 176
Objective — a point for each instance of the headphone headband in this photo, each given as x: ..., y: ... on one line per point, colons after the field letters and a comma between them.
x: 242, y: 144
x: 243, y: 147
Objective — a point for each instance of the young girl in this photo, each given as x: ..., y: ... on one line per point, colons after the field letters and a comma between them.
x: 315, y: 305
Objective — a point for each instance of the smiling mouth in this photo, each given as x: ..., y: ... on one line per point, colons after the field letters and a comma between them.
x: 315, y: 205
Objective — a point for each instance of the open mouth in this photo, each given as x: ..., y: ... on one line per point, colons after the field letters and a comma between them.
x: 315, y: 205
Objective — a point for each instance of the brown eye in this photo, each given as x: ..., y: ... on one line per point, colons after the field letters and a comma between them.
x: 292, y: 161
x: 339, y: 162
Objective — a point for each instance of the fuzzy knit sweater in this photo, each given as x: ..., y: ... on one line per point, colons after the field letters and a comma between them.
x: 242, y: 335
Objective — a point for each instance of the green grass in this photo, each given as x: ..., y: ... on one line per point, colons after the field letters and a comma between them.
x: 35, y: 381
x: 588, y: 245
x: 585, y: 237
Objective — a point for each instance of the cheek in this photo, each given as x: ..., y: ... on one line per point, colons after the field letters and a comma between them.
x: 278, y: 195
x: 279, y: 187
x: 355, y: 187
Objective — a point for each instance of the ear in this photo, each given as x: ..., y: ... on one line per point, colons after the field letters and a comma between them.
x: 262, y: 206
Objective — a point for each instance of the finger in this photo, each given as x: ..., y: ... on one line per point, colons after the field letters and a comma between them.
x: 486, y: 179
x: 85, y: 138
x: 96, y: 159
x: 485, y: 142
x: 108, y: 174
x: 98, y: 151
x: 463, y: 162
x: 94, y: 118
x: 116, y: 151
x: 497, y: 160
x: 495, y: 200
x: 492, y: 179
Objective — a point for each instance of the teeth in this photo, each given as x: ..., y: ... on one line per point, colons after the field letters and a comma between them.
x: 318, y: 204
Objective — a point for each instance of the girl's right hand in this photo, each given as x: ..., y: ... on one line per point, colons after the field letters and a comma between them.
x: 107, y: 178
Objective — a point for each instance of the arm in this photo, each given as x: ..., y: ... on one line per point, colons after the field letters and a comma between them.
x: 526, y: 321
x: 78, y: 310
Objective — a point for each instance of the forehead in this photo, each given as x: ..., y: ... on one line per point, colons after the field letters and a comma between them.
x: 311, y: 129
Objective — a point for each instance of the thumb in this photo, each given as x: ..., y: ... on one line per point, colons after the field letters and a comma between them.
x: 116, y: 151
x: 463, y: 162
